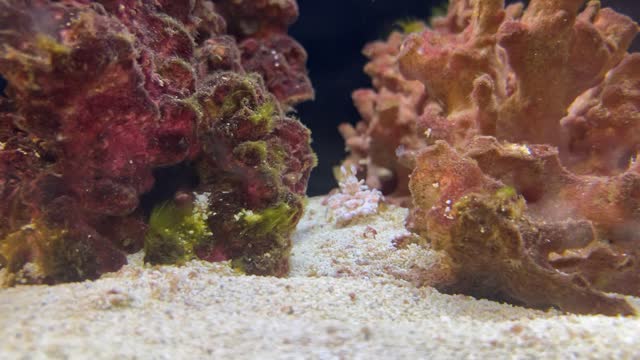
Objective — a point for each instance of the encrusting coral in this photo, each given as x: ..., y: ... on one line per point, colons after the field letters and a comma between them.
x: 527, y: 178
x: 104, y: 97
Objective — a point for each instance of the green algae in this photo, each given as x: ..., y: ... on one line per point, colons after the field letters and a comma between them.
x: 277, y: 219
x: 410, y: 26
x: 52, y: 254
x: 175, y: 231
x: 264, y: 114
x: 251, y: 152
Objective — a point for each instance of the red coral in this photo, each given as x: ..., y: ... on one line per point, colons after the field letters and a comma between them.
x: 103, y: 94
x: 261, y: 25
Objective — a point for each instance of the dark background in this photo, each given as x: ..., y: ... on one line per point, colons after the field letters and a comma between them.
x: 334, y: 32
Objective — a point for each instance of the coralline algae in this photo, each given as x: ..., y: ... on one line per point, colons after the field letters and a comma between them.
x: 104, y: 95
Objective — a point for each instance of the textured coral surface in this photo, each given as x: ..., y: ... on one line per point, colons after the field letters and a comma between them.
x: 389, y: 113
x: 525, y: 171
x: 179, y: 100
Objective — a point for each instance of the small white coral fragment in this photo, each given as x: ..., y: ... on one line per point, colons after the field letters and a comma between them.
x: 354, y: 199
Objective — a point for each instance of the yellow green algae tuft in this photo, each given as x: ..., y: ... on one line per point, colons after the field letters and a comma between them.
x: 506, y: 192
x: 51, y: 45
x: 275, y: 219
x: 269, y: 231
x: 264, y: 113
x: 175, y: 231
x: 410, y: 26
x: 234, y: 101
x: 39, y: 254
x: 251, y: 152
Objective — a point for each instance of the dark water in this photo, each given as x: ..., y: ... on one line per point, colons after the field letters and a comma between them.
x: 334, y: 33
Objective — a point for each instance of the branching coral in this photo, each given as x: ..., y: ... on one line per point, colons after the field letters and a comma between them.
x: 530, y: 182
x: 102, y: 94
x: 389, y: 114
x: 523, y: 145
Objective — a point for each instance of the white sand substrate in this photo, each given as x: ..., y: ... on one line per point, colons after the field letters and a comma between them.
x: 351, y: 294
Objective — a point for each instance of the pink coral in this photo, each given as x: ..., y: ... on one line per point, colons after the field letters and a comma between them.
x: 530, y: 184
x: 354, y: 199
x: 389, y: 113
x: 524, y: 168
